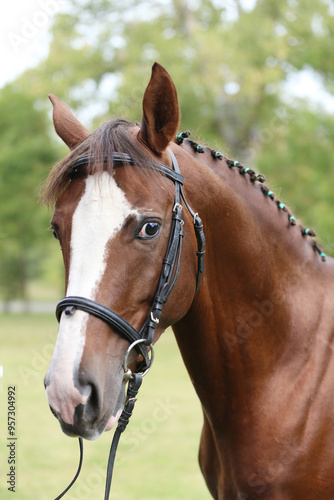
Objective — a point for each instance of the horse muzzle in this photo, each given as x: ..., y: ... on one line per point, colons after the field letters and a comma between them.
x: 84, y: 409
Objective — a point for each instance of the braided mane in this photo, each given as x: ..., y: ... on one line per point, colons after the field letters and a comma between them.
x: 254, y: 177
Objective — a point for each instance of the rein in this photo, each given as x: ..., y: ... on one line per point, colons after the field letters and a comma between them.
x: 140, y: 340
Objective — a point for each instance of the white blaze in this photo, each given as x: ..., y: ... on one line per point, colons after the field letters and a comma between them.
x: 99, y: 215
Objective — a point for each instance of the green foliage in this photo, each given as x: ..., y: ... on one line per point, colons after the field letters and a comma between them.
x: 300, y: 167
x: 228, y: 64
x: 26, y: 154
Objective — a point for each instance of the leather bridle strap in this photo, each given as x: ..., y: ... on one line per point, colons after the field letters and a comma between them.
x: 70, y: 304
x: 170, y: 269
x: 171, y: 262
x: 125, y: 159
x: 198, y: 226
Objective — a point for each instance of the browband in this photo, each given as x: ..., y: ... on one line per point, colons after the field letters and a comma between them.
x: 125, y: 158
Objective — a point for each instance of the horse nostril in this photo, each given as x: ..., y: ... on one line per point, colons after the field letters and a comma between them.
x: 88, y: 387
x: 94, y: 396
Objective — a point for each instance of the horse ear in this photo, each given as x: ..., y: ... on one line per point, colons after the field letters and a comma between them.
x: 160, y: 111
x: 69, y: 129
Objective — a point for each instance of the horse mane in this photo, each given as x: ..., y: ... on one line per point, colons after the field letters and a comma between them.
x: 112, y: 136
x: 254, y: 177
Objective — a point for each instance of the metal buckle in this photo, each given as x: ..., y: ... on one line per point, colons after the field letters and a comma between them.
x: 176, y: 206
x: 127, y: 372
x: 155, y: 320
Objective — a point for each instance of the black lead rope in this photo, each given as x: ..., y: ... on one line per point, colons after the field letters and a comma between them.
x: 77, y: 473
x: 133, y: 387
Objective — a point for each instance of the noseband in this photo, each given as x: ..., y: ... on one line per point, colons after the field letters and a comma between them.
x: 170, y: 268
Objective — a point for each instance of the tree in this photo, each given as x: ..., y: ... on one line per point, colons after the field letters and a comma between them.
x: 228, y: 63
x: 26, y: 154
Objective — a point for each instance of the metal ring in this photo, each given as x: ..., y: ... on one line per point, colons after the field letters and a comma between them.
x: 195, y: 217
x: 127, y: 371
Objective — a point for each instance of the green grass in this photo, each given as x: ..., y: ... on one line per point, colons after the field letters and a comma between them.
x: 157, y: 456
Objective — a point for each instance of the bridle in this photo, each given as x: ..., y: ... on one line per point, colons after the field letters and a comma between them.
x: 140, y: 340
x: 170, y: 266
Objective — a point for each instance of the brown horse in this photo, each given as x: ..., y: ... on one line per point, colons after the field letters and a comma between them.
x: 257, y: 336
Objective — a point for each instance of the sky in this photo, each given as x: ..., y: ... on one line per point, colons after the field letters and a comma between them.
x: 24, y: 34
x: 24, y: 42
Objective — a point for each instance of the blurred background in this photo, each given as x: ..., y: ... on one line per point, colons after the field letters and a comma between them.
x: 255, y: 79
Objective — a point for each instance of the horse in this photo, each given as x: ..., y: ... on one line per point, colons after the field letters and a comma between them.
x: 256, y: 332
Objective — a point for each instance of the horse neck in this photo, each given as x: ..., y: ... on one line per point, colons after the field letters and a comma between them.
x: 258, y: 290
x: 248, y: 237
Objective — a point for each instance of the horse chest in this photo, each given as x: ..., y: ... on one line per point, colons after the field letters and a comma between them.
x: 278, y: 446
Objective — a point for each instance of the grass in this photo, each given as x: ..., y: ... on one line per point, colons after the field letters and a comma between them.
x: 157, y: 456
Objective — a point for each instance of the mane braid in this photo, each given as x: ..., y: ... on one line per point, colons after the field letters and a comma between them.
x: 253, y: 176
x: 180, y: 138
x: 196, y: 147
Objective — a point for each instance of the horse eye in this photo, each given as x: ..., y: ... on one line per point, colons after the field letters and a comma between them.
x: 149, y: 230
x: 55, y: 234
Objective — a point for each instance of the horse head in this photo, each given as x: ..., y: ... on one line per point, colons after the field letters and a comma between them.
x: 113, y: 220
